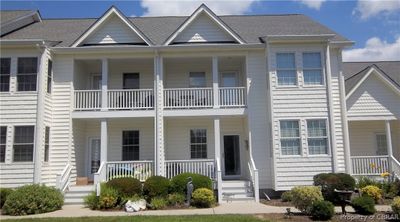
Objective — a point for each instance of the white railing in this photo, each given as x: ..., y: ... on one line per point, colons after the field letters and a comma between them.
x: 188, y: 98
x: 395, y: 165
x: 219, y: 180
x: 62, y: 179
x: 232, y: 96
x: 254, y: 178
x: 200, y: 166
x: 130, y: 99
x: 141, y: 169
x: 99, y: 176
x: 369, y: 165
x: 87, y: 99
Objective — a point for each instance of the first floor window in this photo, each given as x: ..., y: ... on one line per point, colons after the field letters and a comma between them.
x: 23, y: 143
x: 46, y: 144
x: 3, y: 141
x: 290, y: 137
x: 317, y: 137
x: 27, y: 74
x: 130, y: 145
x: 5, y: 71
x: 381, y: 144
x: 198, y: 143
x: 286, y: 69
x: 312, y: 68
x: 49, y: 75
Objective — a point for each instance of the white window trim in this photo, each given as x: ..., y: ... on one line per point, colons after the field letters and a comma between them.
x: 328, y: 142
x: 281, y: 155
x: 297, y: 85
x: 323, y: 70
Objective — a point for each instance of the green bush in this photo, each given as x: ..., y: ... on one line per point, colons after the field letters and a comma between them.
x: 366, y: 181
x: 126, y: 186
x: 92, y: 201
x: 33, y: 199
x: 364, y: 205
x: 391, y: 189
x: 4, y: 192
x: 178, y: 183
x: 372, y: 191
x: 322, y: 210
x: 203, y: 197
x: 396, y: 206
x: 286, y: 196
x: 109, y: 197
x: 305, y: 196
x: 176, y: 199
x: 158, y: 203
x: 331, y: 181
x: 156, y: 186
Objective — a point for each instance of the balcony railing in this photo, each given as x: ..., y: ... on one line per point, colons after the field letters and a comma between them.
x: 130, y: 99
x: 369, y: 165
x: 87, y: 99
x: 232, y: 96
x: 188, y: 98
x: 201, y: 166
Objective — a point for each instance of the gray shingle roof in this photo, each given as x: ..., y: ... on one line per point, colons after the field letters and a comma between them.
x: 7, y: 16
x: 158, y: 29
x: 355, y: 71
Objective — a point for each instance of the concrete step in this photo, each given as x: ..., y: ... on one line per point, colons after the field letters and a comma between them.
x: 237, y: 195
x: 242, y: 199
x: 235, y: 183
x: 76, y: 194
x: 86, y: 188
x: 73, y: 201
x: 237, y: 189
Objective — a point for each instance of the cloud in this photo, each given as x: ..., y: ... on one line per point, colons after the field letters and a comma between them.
x: 314, y: 4
x: 186, y: 7
x: 375, y: 50
x: 370, y: 8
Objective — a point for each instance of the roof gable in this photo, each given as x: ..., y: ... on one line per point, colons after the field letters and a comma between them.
x: 112, y: 28
x: 203, y: 26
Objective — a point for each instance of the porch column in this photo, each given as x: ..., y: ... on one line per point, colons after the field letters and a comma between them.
x: 103, y: 140
x: 159, y: 156
x: 217, y: 137
x: 389, y: 143
x: 104, y: 83
x: 215, y: 81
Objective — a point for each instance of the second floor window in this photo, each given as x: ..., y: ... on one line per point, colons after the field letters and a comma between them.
x: 3, y: 141
x: 131, y: 81
x: 312, y: 68
x: 286, y: 69
x: 317, y: 137
x: 197, y: 80
x: 5, y: 74
x: 198, y: 144
x: 49, y: 75
x: 23, y: 143
x: 27, y: 74
x: 130, y: 145
x: 290, y: 137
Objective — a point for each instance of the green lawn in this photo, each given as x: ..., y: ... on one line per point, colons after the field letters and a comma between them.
x: 194, y: 218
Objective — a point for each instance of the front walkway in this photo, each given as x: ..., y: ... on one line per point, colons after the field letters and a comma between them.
x: 225, y: 208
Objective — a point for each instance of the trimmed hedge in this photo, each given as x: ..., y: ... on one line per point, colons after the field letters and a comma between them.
x: 126, y: 186
x: 305, y: 196
x: 364, y: 205
x: 156, y: 186
x: 331, y: 181
x: 179, y: 182
x: 203, y: 198
x: 396, y: 206
x: 322, y: 210
x: 33, y: 199
x: 4, y: 192
x: 372, y: 191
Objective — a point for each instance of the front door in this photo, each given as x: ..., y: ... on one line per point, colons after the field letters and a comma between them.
x: 94, y: 156
x: 231, y: 156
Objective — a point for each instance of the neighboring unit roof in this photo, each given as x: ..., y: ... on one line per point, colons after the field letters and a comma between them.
x: 7, y: 16
x: 355, y: 71
x: 249, y: 27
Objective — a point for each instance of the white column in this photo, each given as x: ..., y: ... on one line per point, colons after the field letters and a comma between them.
x: 217, y: 137
x: 159, y: 118
x: 104, y: 83
x: 389, y: 143
x: 215, y: 81
x: 103, y: 140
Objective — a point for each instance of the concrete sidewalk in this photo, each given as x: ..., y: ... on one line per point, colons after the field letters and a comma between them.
x: 226, y: 208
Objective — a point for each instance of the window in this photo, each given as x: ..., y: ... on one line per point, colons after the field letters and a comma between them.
x: 286, y: 69
x: 49, y: 75
x: 290, y: 137
x: 23, y: 143
x: 3, y: 141
x: 27, y: 73
x: 5, y: 74
x: 317, y: 137
x: 130, y: 145
x: 312, y: 69
x: 96, y: 82
x: 198, y: 143
x: 197, y: 79
x: 46, y: 144
x: 228, y: 79
x: 131, y: 81
x: 381, y: 144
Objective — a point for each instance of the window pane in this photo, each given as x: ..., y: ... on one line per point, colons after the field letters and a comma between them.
x: 287, y: 77
x: 131, y: 81
x: 198, y: 143
x: 312, y: 60
x: 4, y: 83
x: 46, y: 144
x: 290, y: 146
x: 316, y: 128
x: 5, y: 66
x: 229, y: 80
x: 49, y: 75
x: 197, y: 79
x: 381, y: 144
x: 318, y: 146
x: 313, y: 77
x: 23, y: 143
x: 24, y: 134
x: 5, y: 74
x: 26, y: 82
x: 289, y: 128
x: 3, y: 141
x: 130, y: 145
x: 23, y: 153
x: 27, y: 65
x: 285, y: 61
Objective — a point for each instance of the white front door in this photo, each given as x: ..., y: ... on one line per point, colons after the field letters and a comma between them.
x: 94, y: 156
x: 231, y: 156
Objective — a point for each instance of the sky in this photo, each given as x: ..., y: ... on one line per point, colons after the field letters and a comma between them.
x: 374, y: 25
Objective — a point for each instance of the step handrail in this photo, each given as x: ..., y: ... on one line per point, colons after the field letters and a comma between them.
x: 99, y: 176
x: 395, y: 165
x: 254, y: 178
x: 219, y: 179
x: 62, y: 179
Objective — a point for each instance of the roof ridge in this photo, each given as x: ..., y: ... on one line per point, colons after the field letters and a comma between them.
x: 368, y: 67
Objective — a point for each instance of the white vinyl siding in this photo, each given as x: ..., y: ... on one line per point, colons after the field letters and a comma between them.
x: 317, y: 138
x: 290, y: 137
x: 286, y: 69
x: 23, y: 143
x: 198, y: 144
x: 312, y: 68
x: 27, y: 74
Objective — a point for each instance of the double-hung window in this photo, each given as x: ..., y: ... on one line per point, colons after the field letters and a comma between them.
x: 312, y: 68
x: 46, y: 144
x: 5, y: 74
x: 198, y: 143
x: 381, y: 144
x: 49, y: 75
x: 286, y: 69
x: 23, y: 143
x: 27, y: 74
x: 317, y: 137
x: 3, y: 141
x: 130, y: 145
x: 290, y: 137
x: 197, y: 79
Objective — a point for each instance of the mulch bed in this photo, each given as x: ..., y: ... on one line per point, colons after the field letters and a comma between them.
x: 379, y: 217
x: 276, y: 203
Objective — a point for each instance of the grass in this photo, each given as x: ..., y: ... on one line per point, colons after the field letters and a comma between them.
x: 196, y: 218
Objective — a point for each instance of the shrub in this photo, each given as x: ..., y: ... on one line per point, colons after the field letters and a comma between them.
x: 331, y: 181
x: 126, y: 186
x: 366, y: 181
x: 4, y: 192
x: 396, y: 206
x: 178, y: 183
x: 372, y: 191
x: 92, y: 201
x: 176, y: 199
x: 364, y: 205
x: 33, y: 199
x: 156, y: 186
x: 286, y: 196
x: 322, y: 210
x: 391, y: 189
x: 203, y: 197
x: 158, y: 203
x: 109, y: 197
x: 304, y: 197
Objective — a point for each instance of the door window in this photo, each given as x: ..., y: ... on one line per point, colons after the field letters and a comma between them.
x: 229, y: 79
x: 94, y: 155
